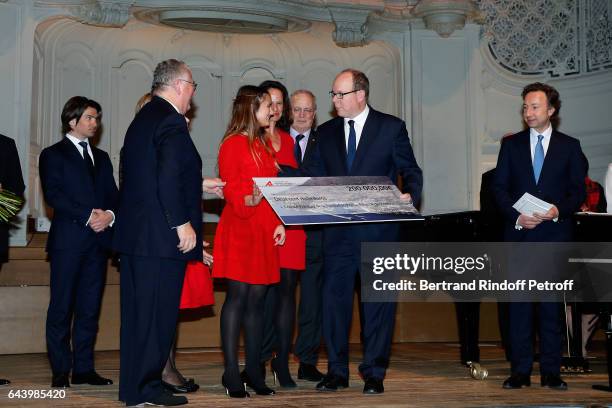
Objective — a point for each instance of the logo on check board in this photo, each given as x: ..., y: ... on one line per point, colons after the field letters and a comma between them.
x: 269, y: 184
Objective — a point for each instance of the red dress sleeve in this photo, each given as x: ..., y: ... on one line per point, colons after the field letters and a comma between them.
x: 237, y: 186
x: 293, y: 253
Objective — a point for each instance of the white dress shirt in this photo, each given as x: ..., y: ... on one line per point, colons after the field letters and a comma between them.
x: 304, y: 142
x: 358, y: 125
x: 533, y: 140
x: 76, y: 142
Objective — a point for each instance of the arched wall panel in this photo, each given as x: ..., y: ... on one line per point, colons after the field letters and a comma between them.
x: 114, y: 66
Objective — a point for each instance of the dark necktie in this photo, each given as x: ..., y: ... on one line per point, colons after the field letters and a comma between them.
x: 351, y: 149
x: 87, y: 158
x: 297, y: 149
x: 538, y: 159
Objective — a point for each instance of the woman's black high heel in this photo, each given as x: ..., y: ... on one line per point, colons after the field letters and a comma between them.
x: 260, y: 389
x: 282, y: 375
x: 235, y: 393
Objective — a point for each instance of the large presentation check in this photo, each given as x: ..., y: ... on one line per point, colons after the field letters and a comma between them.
x: 330, y: 200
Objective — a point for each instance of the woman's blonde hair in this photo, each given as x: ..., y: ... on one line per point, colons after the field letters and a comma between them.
x: 144, y: 99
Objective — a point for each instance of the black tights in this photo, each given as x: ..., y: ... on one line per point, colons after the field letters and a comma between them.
x: 284, y: 316
x: 244, y: 303
x: 171, y: 374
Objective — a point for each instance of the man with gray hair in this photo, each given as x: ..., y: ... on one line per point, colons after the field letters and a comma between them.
x: 157, y: 231
x: 308, y: 341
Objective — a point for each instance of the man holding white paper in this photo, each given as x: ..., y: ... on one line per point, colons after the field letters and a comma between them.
x: 548, y: 166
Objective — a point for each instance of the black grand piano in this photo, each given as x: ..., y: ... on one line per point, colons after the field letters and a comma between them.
x: 483, y: 226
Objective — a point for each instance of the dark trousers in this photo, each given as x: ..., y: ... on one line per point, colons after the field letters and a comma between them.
x: 340, y: 272
x: 150, y: 296
x: 521, y: 337
x: 308, y: 339
x: 468, y: 321
x: 77, y: 282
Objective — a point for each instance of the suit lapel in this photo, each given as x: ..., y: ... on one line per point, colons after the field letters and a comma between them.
x: 338, y: 134
x: 368, y: 134
x: 97, y: 161
x: 72, y: 152
x: 551, y: 152
x: 312, y: 140
x: 74, y: 156
x: 525, y: 156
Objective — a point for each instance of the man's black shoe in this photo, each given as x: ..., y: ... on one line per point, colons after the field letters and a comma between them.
x: 332, y: 383
x: 553, y: 381
x: 91, y: 378
x: 60, y: 381
x: 517, y: 381
x: 165, y: 399
x: 373, y: 386
x: 4, y: 382
x: 309, y: 372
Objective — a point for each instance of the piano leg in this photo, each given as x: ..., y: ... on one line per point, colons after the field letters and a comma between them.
x: 609, y: 357
x: 574, y: 362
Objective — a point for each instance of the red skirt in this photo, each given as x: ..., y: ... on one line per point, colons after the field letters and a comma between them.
x: 197, y: 287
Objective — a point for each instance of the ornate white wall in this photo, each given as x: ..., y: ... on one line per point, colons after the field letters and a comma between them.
x: 456, y: 98
x: 114, y: 66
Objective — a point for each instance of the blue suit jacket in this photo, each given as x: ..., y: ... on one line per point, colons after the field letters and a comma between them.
x: 561, y: 183
x: 384, y: 150
x: 70, y: 191
x: 161, y: 185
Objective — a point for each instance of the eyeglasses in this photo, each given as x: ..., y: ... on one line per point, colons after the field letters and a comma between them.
x: 340, y: 95
x: 306, y: 111
x: 193, y: 83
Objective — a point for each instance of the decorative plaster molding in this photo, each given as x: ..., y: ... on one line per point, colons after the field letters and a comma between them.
x: 106, y: 13
x: 350, y: 33
x: 445, y: 16
x: 354, y: 22
x: 351, y: 27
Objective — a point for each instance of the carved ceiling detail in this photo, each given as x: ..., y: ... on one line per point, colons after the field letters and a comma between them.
x: 351, y: 18
x: 558, y: 38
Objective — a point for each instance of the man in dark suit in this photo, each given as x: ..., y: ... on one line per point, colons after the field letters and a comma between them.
x: 308, y: 341
x: 11, y: 180
x: 157, y: 232
x: 78, y: 184
x: 359, y: 142
x: 547, y: 164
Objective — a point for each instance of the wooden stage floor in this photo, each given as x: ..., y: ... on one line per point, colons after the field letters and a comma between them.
x: 421, y: 375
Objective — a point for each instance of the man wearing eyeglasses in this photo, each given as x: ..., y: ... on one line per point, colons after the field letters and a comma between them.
x: 360, y: 141
x: 158, y: 230
x: 308, y: 341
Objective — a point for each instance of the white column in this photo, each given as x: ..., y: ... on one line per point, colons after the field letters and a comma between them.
x: 608, y: 188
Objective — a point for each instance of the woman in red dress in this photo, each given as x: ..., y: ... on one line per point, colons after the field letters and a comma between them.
x: 280, y: 300
x: 247, y: 237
